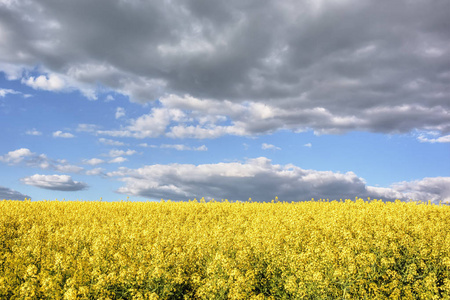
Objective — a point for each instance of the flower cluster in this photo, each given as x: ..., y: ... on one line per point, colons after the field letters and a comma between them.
x: 223, y: 250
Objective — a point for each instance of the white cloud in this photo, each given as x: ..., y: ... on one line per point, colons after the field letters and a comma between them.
x: 425, y: 138
x: 200, y: 148
x: 181, y: 147
x: 265, y: 146
x: 114, y: 153
x: 60, y: 134
x: 66, y: 168
x: 4, y: 92
x: 26, y: 157
x: 111, y: 142
x: 9, y: 194
x: 16, y: 156
x: 120, y: 112
x: 109, y: 98
x: 87, y: 128
x: 33, y: 132
x: 118, y: 160
x: 149, y: 125
x: 51, y: 82
x: 54, y: 182
x: 94, y: 161
x: 262, y: 181
x: 145, y: 145
x: 204, y: 132
x: 308, y: 145
x: 95, y: 171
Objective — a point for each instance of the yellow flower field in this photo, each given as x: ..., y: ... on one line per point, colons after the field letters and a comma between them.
x: 222, y: 250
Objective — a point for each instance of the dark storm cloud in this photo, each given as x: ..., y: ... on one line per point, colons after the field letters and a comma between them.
x: 384, y: 62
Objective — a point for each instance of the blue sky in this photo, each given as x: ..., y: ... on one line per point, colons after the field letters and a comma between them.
x: 188, y: 99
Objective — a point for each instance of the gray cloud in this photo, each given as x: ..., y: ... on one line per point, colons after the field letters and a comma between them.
x: 262, y: 181
x: 54, y: 182
x: 370, y: 65
x: 9, y: 194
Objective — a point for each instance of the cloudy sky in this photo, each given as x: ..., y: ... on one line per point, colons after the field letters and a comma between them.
x: 225, y: 99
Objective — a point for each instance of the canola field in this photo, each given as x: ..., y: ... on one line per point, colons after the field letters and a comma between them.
x: 222, y: 250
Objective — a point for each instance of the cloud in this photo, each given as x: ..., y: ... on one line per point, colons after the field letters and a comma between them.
x: 111, y: 142
x: 95, y: 171
x: 120, y: 112
x: 87, y: 128
x: 43, y: 82
x: 64, y: 167
x: 4, y: 92
x: 331, y: 66
x: 33, y: 132
x: 118, y: 160
x: 117, y: 154
x: 9, y: 194
x: 431, y: 138
x: 262, y: 181
x: 145, y: 145
x: 60, y: 134
x: 181, y: 147
x: 265, y: 146
x: 148, y: 125
x: 430, y: 188
x: 94, y: 161
x: 308, y: 145
x: 114, y: 153
x: 189, y: 117
x: 178, y: 147
x: 54, y: 182
x: 26, y: 157
x: 17, y: 156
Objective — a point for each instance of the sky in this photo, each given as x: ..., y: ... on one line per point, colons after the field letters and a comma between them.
x: 150, y: 100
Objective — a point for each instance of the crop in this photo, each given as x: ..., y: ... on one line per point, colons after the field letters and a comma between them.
x: 223, y: 250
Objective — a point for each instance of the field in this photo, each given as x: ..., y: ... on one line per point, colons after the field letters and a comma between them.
x: 222, y: 250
